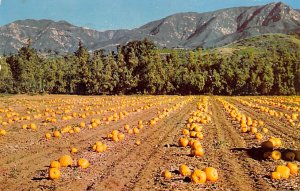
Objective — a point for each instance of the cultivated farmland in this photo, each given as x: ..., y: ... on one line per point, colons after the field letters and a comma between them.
x: 149, y: 143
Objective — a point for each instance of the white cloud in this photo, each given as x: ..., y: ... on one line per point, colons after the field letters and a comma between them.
x: 0, y: 2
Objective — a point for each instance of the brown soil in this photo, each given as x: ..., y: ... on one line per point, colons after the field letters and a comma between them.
x: 26, y: 154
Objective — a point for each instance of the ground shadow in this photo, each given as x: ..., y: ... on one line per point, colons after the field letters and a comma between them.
x: 40, y: 178
x: 257, y: 153
x: 171, y: 145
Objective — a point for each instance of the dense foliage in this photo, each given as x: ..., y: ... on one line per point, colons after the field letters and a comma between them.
x: 139, y: 67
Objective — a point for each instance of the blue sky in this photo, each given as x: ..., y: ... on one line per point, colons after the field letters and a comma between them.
x: 113, y: 14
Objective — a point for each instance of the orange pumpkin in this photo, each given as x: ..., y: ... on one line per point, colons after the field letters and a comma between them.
x: 197, y: 152
x: 126, y: 127
x: 54, y: 164
x: 211, y: 174
x: 33, y: 126
x: 54, y: 173
x: 265, y: 130
x: 293, y: 168
x: 284, y: 171
x: 275, y: 175
x: 74, y: 150
x: 198, y: 176
x: 136, y: 130
x: 196, y: 144
x: 65, y: 161
x: 184, y: 170
x: 185, y: 132
x: 167, y: 174
x: 121, y: 136
x: 83, y: 163
x: 48, y: 136
x: 258, y: 136
x: 183, y: 142
x: 138, y: 142
x: 56, y: 134
x: 276, y: 155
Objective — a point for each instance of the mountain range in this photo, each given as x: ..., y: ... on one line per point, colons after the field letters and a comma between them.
x: 183, y: 30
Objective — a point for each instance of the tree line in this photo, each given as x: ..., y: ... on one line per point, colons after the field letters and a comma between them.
x: 139, y: 67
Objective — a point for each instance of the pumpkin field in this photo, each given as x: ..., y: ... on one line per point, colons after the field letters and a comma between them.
x: 65, y: 142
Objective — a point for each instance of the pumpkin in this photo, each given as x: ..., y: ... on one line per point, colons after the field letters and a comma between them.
x: 197, y: 152
x: 121, y: 136
x: 258, y: 136
x: 267, y: 155
x: 48, y: 136
x: 267, y: 145
x: 198, y: 176
x: 137, y: 142
x: 65, y: 161
x: 196, y: 144
x: 167, y: 174
x: 129, y: 131
x: 56, y: 134
x: 54, y: 173
x: 284, y: 171
x: 275, y: 175
x: 54, y: 164
x: 185, y: 132
x: 290, y: 156
x: 265, y: 130
x: 276, y: 155
x: 77, y: 130
x: 115, y: 138
x: 99, y: 148
x: 293, y: 168
x: 83, y: 163
x: 115, y: 132
x: 98, y: 143
x: 2, y: 132
x: 211, y: 174
x: 126, y: 127
x: 184, y: 170
x: 74, y: 150
x: 297, y: 155
x: 183, y: 142
x: 136, y: 130
x: 33, y: 126
x: 200, y: 136
x: 253, y: 130
x: 82, y: 124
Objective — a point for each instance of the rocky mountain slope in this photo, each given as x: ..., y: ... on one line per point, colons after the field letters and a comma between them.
x: 187, y: 30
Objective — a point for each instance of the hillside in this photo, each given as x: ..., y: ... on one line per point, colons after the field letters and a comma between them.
x: 187, y: 30
x: 261, y: 44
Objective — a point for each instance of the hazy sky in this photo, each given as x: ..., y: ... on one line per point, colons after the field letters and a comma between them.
x: 113, y: 14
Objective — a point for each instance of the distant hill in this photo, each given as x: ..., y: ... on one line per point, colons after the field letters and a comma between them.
x: 186, y: 30
x: 262, y: 43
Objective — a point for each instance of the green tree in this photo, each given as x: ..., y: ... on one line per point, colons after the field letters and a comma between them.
x: 6, y: 79
x: 84, y: 74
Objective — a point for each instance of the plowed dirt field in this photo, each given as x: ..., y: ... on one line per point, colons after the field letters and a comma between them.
x: 238, y: 157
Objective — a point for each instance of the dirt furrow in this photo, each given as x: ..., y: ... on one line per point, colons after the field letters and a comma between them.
x: 26, y: 167
x: 133, y: 164
x: 291, y: 137
x: 225, y: 137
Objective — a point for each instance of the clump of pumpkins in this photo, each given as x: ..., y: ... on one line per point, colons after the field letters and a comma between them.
x: 284, y: 171
x: 65, y: 161
x: 197, y: 176
x: 272, y: 150
x: 281, y: 171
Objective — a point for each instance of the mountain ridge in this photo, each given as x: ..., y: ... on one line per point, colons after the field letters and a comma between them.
x: 184, y: 30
